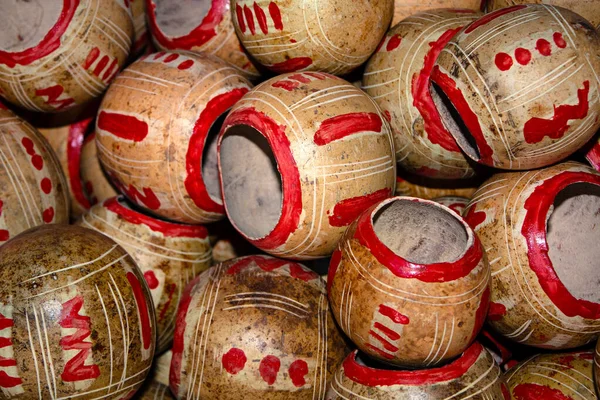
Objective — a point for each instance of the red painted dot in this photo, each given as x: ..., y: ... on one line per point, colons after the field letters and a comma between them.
x: 46, y: 185
x: 4, y: 235
x: 269, y: 368
x: 234, y: 361
x: 151, y: 279
x: 523, y: 56
x: 544, y: 47
x: 48, y: 215
x: 503, y: 61
x: 298, y: 370
x: 292, y: 40
x: 38, y: 162
x: 186, y: 64
x: 171, y: 57
x: 159, y: 55
x: 393, y: 43
x: 559, y: 40
x: 28, y: 144
x: 296, y: 271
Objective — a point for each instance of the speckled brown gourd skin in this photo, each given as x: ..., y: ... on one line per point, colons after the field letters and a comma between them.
x: 406, y: 188
x: 482, y: 380
x: 455, y: 203
x: 406, y: 8
x: 65, y: 67
x: 170, y: 261
x: 589, y: 9
x: 141, y: 37
x: 497, y: 212
x: 95, y: 183
x: 167, y: 93
x: 23, y: 187
x: 355, y: 165
x: 360, y: 286
x: 396, y: 76
x: 520, y: 109
x: 225, y: 44
x: 553, y: 376
x: 52, y: 306
x: 278, y: 310
x: 332, y: 36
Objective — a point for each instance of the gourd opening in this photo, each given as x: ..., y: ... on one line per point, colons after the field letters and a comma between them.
x: 210, y: 171
x: 421, y: 232
x: 251, y: 182
x: 179, y: 18
x: 26, y: 23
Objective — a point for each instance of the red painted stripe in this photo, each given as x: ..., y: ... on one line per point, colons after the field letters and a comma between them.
x: 534, y: 232
x: 275, y: 15
x: 291, y: 65
x: 382, y: 353
x: 300, y: 78
x: 386, y: 345
x: 74, y: 145
x: 394, y: 315
x: 340, y: 126
x: 250, y: 19
x: 100, y: 66
x: 534, y: 391
x: 4, y: 322
x: 48, y: 44
x: 387, y: 331
x: 347, y: 211
x: 143, y: 311
x: 92, y: 56
x: 123, y: 126
x: 240, y: 18
x: 492, y: 16
x: 7, y: 381
x: 286, y: 85
x: 169, y: 229
x: 280, y: 144
x: 261, y: 17
x: 194, y: 183
x: 496, y: 312
x: 5, y: 342
x: 334, y: 263
x: 7, y: 362
x: 372, y: 377
x: 110, y: 70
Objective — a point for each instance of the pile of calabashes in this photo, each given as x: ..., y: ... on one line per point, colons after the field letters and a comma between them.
x: 446, y: 204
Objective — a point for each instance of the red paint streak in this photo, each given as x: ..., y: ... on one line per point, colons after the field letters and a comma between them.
x: 234, y: 361
x: 559, y: 40
x: 503, y: 61
x: 394, y: 315
x: 172, y: 288
x: 291, y: 65
x: 49, y: 43
x: 505, y: 391
x: 171, y: 57
x: 505, y: 354
x: 340, y: 126
x: 496, y: 312
x: 48, y: 215
x: 261, y: 18
x: 92, y: 56
x: 269, y: 367
x: 169, y: 229
x: 534, y: 232
x: 387, y: 116
x: 185, y: 65
x: 374, y: 377
x: 334, y: 263
x: 194, y: 183
x: 386, y: 345
x: 74, y: 145
x: 386, y: 331
x: 475, y: 218
x: 298, y: 371
x: 265, y: 263
x: 304, y: 274
x: 382, y: 353
x: 151, y: 279
x: 492, y: 16
x: 290, y: 177
x: 438, y: 272
x: 286, y: 85
x: 567, y: 361
x: 523, y: 56
x: 240, y: 18
x: 159, y: 55
x: 300, y: 78
x: 533, y: 391
x: 198, y: 36
x: 123, y: 126
x: 275, y: 15
x: 109, y: 71
x: 53, y: 93
x: 537, y: 128
x: 481, y: 313
x: 46, y: 185
x: 250, y: 19
x: 148, y: 199
x: 70, y: 317
x: 543, y: 47
x: 422, y: 100
x: 7, y: 381
x: 448, y: 85
x: 142, y: 308
x: 393, y: 43
x: 346, y: 211
x: 101, y: 65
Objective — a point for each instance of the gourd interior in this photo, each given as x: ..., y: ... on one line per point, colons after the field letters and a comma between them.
x: 179, y: 18
x: 210, y: 171
x: 419, y: 232
x: 252, y: 186
x: 26, y: 22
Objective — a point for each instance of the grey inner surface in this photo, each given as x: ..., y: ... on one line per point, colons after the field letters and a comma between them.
x: 573, y: 236
x: 453, y: 122
x: 419, y: 232
x: 25, y: 22
x: 178, y: 18
x: 210, y: 171
x: 252, y: 184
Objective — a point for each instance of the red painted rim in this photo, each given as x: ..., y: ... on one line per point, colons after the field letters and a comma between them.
x: 372, y: 377
x: 198, y: 36
x: 75, y: 143
x: 436, y: 272
x: 286, y: 165
x: 533, y: 230
x: 118, y: 206
x: 49, y: 43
